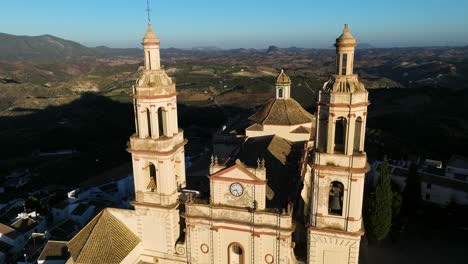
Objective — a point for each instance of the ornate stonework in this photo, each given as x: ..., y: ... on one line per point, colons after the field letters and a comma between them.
x: 255, y: 212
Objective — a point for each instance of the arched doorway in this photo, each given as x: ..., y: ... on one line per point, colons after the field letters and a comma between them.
x: 236, y: 253
x: 152, y: 177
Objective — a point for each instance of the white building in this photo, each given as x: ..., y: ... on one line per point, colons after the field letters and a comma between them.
x: 438, y: 185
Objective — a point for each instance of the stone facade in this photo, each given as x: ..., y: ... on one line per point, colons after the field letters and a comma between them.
x: 291, y: 178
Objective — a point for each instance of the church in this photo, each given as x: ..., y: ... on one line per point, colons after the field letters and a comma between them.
x: 285, y: 188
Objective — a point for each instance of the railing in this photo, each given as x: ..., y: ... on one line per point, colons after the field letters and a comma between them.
x: 260, y: 218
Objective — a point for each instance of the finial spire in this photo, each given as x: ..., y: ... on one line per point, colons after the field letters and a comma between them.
x: 346, y: 28
x: 148, y: 11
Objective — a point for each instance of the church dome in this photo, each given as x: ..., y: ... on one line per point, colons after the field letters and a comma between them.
x: 283, y: 78
x: 346, y: 39
x: 150, y: 36
x: 282, y: 112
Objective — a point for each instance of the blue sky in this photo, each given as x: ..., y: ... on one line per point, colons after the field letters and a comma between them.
x: 241, y: 23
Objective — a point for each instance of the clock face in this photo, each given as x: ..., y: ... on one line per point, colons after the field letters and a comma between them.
x: 236, y: 189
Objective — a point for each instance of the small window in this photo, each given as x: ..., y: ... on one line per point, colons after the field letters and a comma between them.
x: 280, y: 93
x: 429, y: 186
x: 344, y: 64
x: 428, y: 196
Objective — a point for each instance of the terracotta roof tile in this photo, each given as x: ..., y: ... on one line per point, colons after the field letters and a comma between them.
x: 8, y: 231
x: 301, y: 130
x: 23, y: 225
x: 105, y: 239
x: 282, y: 112
x: 54, y: 250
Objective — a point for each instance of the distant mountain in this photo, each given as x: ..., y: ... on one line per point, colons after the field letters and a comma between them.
x: 39, y: 48
x: 49, y: 48
x: 207, y: 48
x: 365, y: 46
x: 272, y: 49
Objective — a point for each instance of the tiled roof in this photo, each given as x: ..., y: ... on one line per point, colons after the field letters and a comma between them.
x: 150, y: 36
x: 55, y: 250
x: 283, y: 78
x: 8, y: 231
x: 105, y: 239
x: 346, y: 37
x: 301, y: 130
x: 281, y: 165
x: 23, y: 225
x: 282, y: 112
x: 255, y: 127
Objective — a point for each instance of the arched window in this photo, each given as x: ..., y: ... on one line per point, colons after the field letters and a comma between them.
x: 161, y: 122
x: 149, y: 60
x: 344, y: 63
x: 280, y: 92
x: 148, y: 118
x: 335, y: 198
x: 235, y: 254
x: 152, y: 177
x: 357, y: 135
x: 340, y: 134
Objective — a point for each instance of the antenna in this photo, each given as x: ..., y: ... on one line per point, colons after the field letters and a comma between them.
x: 148, y: 10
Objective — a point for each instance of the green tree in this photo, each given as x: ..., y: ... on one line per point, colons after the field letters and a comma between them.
x: 379, y: 211
x: 412, y: 191
x: 32, y: 203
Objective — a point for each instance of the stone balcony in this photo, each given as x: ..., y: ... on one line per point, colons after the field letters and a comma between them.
x: 358, y: 160
x: 162, y: 144
x: 240, y: 215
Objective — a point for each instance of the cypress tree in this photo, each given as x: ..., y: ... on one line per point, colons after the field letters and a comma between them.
x: 379, y: 217
x: 412, y: 192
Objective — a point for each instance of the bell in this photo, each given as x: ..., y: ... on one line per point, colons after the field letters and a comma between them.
x: 335, y: 204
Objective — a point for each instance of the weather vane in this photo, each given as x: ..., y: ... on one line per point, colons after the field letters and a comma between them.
x: 148, y: 10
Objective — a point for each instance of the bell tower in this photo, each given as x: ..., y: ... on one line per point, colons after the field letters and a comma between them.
x: 339, y: 163
x: 157, y: 150
x: 283, y: 86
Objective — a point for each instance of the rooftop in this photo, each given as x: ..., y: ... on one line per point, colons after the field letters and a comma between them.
x: 8, y: 231
x: 55, y: 250
x: 281, y: 165
x: 283, y: 78
x: 282, y: 112
x: 23, y: 225
x: 104, y: 229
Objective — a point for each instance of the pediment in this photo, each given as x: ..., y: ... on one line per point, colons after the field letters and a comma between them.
x: 237, y: 173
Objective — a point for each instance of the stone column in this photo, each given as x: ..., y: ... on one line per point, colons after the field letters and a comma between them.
x: 350, y: 135
x: 331, y: 133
